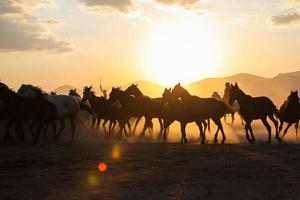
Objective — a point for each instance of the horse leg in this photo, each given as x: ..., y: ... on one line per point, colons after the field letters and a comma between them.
x: 247, y: 134
x: 202, y: 136
x: 280, y: 126
x: 220, y: 127
x: 73, y: 127
x: 122, y: 127
x: 104, y: 126
x: 114, y: 126
x: 183, y: 133
x: 225, y: 118
x: 286, y: 129
x: 264, y: 120
x: 20, y: 132
x: 7, y: 136
x: 45, y: 131
x: 129, y: 128
x: 232, y: 118
x: 276, y: 127
x: 161, y: 126
x: 62, y: 127
x: 53, y: 123
x: 93, y: 122
x: 135, y: 125
x: 39, y: 130
x: 146, y: 125
x: 296, y: 127
x: 98, y: 123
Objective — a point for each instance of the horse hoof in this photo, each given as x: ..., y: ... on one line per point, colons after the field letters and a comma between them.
x: 279, y: 139
x: 215, y: 140
x: 223, y: 141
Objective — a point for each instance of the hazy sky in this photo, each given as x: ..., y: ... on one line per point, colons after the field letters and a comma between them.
x: 55, y: 42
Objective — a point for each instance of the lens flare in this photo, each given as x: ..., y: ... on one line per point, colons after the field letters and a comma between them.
x: 116, y: 152
x: 102, y: 167
x: 92, y: 179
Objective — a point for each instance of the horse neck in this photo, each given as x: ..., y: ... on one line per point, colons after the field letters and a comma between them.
x: 185, y: 96
x: 242, y: 98
x: 93, y: 100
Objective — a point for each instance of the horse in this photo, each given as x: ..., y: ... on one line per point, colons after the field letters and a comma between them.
x: 18, y: 108
x: 175, y: 110
x: 253, y: 108
x: 202, y: 109
x: 229, y: 109
x: 67, y: 106
x: 290, y: 112
x: 132, y: 107
x: 155, y: 103
x: 104, y: 109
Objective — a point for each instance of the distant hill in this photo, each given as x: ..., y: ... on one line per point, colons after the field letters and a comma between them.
x: 277, y: 88
x: 64, y: 89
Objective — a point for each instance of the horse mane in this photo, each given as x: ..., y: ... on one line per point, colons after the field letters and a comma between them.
x: 37, y: 90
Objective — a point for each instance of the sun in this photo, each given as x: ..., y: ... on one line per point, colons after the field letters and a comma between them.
x: 181, y: 51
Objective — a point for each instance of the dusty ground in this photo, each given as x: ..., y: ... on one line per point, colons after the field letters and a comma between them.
x: 150, y: 171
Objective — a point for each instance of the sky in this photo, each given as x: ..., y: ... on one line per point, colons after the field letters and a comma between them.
x: 78, y: 42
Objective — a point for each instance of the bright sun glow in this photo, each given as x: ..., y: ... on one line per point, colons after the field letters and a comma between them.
x: 182, y: 51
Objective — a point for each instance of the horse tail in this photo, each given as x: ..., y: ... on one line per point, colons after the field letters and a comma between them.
x: 86, y: 108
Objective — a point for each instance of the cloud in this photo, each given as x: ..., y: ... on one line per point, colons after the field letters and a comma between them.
x: 21, y: 31
x: 108, y: 6
x: 183, y: 3
x: 8, y: 7
x: 29, y: 33
x: 285, y: 19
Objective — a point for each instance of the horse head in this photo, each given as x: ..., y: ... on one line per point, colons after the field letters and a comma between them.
x: 115, y: 94
x: 73, y: 92
x: 5, y: 92
x: 166, y: 95
x: 179, y: 92
x: 234, y: 93
x: 293, y: 98
x: 134, y: 90
x: 216, y: 95
x: 87, y: 93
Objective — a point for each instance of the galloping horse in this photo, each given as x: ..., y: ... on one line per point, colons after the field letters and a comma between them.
x: 17, y: 108
x: 202, y: 108
x: 67, y: 106
x: 156, y: 110
x: 290, y: 112
x: 131, y: 107
x: 175, y: 110
x: 230, y: 109
x: 252, y: 108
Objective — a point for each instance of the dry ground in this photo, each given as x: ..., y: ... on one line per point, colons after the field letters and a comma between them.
x: 150, y: 171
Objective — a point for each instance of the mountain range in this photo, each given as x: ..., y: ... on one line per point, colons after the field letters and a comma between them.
x: 277, y: 88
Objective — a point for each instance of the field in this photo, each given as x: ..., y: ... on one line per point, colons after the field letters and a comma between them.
x: 150, y: 171
x: 146, y: 169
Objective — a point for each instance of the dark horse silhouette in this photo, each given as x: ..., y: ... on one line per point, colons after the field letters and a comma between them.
x: 290, y: 112
x: 17, y: 108
x: 201, y: 109
x: 131, y: 107
x: 104, y: 109
x: 252, y: 108
x: 156, y: 110
x: 175, y: 110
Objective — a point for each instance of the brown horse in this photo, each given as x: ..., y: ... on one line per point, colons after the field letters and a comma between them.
x: 156, y: 110
x: 202, y: 108
x: 290, y: 112
x: 175, y: 110
x: 252, y: 108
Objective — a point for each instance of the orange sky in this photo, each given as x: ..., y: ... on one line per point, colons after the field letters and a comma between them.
x: 51, y: 43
